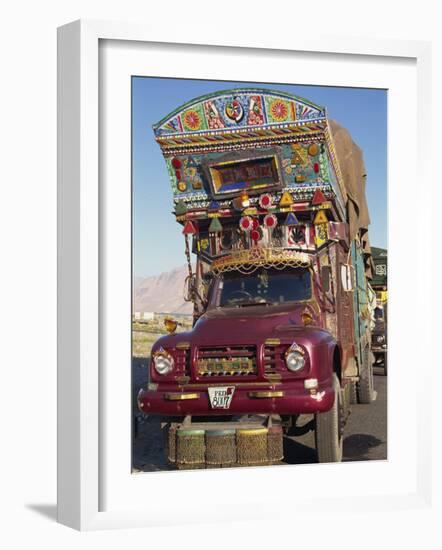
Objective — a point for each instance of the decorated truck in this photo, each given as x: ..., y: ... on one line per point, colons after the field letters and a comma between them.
x: 379, y: 331
x: 271, y: 197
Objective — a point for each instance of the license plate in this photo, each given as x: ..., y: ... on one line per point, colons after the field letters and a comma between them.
x: 221, y: 397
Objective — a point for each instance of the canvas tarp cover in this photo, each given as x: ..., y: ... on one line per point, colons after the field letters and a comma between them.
x: 351, y: 162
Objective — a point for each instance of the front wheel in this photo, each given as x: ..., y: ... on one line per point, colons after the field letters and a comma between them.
x: 329, y: 428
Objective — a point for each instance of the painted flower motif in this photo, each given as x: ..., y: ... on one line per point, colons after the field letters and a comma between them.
x: 279, y: 110
x: 212, y: 115
x: 234, y: 110
x: 256, y: 116
x: 192, y: 119
x: 255, y: 119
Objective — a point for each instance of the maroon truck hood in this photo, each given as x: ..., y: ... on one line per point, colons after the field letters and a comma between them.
x: 249, y: 325
x: 246, y: 324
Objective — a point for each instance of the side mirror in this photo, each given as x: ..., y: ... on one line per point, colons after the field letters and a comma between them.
x: 326, y: 277
x: 347, y: 277
x: 189, y: 288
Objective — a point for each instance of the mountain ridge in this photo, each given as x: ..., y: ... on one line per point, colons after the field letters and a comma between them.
x: 162, y: 293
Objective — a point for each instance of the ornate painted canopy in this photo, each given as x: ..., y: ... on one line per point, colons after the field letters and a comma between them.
x: 229, y: 110
x: 273, y: 145
x: 257, y: 168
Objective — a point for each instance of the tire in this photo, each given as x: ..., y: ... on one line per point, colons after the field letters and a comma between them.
x: 365, y: 385
x: 345, y: 398
x: 385, y: 364
x: 353, y: 393
x: 328, y: 431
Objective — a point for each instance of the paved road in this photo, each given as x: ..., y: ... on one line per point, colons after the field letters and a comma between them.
x: 365, y: 436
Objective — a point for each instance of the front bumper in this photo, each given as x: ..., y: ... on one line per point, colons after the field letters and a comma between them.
x: 270, y: 399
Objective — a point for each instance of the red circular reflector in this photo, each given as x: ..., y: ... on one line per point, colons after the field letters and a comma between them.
x: 256, y: 235
x: 265, y: 200
x: 245, y: 223
x: 270, y: 220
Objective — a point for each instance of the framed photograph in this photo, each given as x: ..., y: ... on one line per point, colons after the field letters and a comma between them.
x: 265, y: 244
x: 225, y: 215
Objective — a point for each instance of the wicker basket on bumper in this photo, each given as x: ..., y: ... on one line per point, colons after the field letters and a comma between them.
x: 171, y: 444
x: 275, y: 451
x: 190, y: 448
x: 220, y: 447
x: 251, y: 446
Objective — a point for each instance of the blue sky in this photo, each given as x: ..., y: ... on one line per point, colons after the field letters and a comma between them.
x: 157, y: 241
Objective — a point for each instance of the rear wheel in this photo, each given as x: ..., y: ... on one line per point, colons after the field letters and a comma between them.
x: 329, y: 429
x: 365, y: 385
x: 353, y: 393
x: 346, y: 399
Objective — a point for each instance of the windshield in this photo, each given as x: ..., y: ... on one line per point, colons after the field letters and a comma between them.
x: 265, y: 286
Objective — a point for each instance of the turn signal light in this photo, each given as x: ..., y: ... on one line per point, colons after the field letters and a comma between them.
x: 306, y: 318
x: 245, y: 201
x: 170, y: 324
x: 311, y: 383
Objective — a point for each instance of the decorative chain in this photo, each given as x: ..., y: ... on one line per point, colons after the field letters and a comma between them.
x: 189, y: 263
x: 248, y: 261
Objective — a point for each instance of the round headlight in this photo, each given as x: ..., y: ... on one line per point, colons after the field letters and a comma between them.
x: 380, y: 339
x: 294, y: 360
x: 163, y: 363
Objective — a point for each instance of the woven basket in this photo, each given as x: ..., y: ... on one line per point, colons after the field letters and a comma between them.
x: 171, y: 444
x: 275, y: 452
x: 251, y: 446
x: 190, y: 448
x: 220, y: 447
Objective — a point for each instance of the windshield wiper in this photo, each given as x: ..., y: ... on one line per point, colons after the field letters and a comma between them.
x: 259, y: 302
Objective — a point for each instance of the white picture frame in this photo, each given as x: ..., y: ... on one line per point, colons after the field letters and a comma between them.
x: 84, y: 300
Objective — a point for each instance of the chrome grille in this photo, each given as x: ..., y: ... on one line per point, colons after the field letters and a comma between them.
x: 227, y: 361
x: 182, y: 361
x: 274, y: 359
